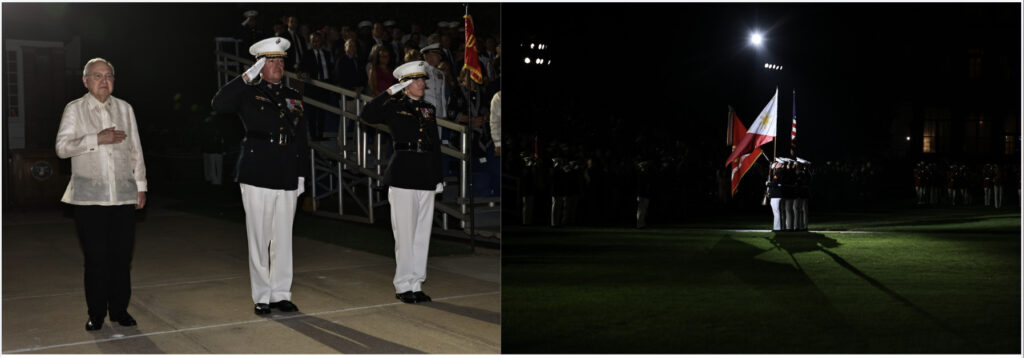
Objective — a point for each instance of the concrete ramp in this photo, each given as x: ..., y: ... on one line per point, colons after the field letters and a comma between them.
x: 191, y: 295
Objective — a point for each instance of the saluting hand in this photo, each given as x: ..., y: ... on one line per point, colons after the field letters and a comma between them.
x: 110, y: 136
x: 254, y: 71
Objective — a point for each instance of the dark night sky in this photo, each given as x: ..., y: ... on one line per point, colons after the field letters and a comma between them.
x: 678, y: 66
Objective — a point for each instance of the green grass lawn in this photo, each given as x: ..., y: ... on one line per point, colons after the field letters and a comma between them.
x: 927, y: 281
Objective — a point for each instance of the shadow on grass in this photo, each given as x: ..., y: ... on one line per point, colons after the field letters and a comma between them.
x: 798, y: 242
x: 684, y: 291
x: 808, y: 311
x: 343, y: 339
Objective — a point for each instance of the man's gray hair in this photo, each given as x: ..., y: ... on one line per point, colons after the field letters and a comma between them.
x: 85, y: 71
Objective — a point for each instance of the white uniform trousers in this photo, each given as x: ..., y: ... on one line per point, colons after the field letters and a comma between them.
x: 527, y: 210
x: 801, y: 209
x: 997, y: 198
x: 642, y: 204
x: 777, y: 214
x: 557, y: 210
x: 213, y: 164
x: 412, y: 217
x: 269, y: 214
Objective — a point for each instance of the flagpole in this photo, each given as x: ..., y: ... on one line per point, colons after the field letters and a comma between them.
x: 728, y: 129
x: 470, y: 142
x: 775, y: 143
x: 792, y: 140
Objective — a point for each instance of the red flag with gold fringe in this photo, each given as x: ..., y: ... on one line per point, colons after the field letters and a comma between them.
x: 472, y: 59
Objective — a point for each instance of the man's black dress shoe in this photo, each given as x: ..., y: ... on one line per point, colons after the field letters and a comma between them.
x: 284, y: 306
x: 262, y: 308
x: 126, y: 320
x: 407, y: 297
x: 421, y: 297
x: 94, y: 323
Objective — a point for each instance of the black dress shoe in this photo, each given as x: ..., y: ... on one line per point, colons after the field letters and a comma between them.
x: 126, y: 320
x: 94, y: 323
x: 407, y: 297
x: 284, y: 306
x: 262, y: 308
x: 421, y: 297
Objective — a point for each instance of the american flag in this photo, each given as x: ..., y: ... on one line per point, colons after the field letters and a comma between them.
x: 792, y: 136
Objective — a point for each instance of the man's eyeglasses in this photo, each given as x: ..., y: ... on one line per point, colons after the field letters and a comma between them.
x: 100, y: 77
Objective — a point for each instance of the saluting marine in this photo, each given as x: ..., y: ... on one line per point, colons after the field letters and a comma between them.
x: 271, y: 167
x: 774, y: 187
x: 803, y: 192
x: 413, y: 175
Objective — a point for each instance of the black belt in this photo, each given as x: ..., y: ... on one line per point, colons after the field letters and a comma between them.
x: 281, y: 139
x: 418, y: 147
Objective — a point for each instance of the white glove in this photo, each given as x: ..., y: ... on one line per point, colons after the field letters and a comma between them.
x: 254, y: 71
x: 398, y: 87
x: 439, y: 189
x: 302, y: 186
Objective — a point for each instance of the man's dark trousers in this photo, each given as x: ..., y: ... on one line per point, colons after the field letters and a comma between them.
x: 107, y: 237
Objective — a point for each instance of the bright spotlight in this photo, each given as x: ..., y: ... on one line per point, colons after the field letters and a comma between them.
x: 908, y: 138
x: 527, y: 60
x: 531, y: 46
x: 755, y: 38
x: 540, y: 61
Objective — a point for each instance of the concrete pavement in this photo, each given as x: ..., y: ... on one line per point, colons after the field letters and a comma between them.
x: 191, y: 295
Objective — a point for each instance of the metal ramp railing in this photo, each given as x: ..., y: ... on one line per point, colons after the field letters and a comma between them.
x: 348, y: 167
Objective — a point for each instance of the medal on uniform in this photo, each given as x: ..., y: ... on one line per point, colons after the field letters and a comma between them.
x: 294, y: 104
x: 427, y: 112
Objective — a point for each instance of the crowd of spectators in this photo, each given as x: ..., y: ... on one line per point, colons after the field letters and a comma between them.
x: 362, y: 57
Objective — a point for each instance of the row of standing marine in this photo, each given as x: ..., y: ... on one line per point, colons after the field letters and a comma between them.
x: 788, y: 190
x: 959, y: 184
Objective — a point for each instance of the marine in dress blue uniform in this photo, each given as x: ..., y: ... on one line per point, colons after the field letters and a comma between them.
x: 413, y: 175
x: 271, y: 167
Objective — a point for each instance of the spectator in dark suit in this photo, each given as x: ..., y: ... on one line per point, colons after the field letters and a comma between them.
x: 350, y: 70
x: 318, y: 64
x: 365, y: 39
x: 449, y: 53
x: 298, y: 44
x: 396, y: 44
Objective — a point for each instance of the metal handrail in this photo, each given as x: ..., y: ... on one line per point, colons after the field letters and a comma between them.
x: 339, y: 162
